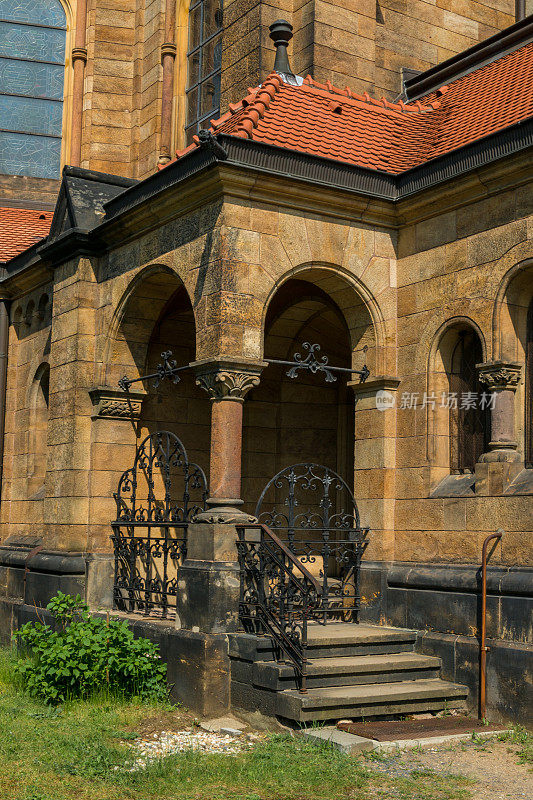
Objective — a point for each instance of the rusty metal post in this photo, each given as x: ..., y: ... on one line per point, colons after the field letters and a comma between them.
x: 484, y: 649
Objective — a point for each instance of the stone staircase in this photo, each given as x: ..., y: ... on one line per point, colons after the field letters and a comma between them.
x: 354, y: 671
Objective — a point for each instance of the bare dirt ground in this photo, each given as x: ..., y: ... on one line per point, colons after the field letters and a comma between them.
x: 493, y: 766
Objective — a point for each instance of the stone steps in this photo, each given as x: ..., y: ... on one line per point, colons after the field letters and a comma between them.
x: 354, y: 671
x: 348, y: 670
x: 401, y: 697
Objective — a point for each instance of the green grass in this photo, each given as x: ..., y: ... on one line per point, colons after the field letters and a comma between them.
x: 71, y: 752
x: 519, y: 736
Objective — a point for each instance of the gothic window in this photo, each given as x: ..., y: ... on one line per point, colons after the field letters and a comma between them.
x: 204, y: 59
x: 529, y: 388
x: 469, y: 421
x: 32, y: 66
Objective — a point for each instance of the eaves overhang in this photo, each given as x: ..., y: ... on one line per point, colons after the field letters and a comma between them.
x: 249, y: 158
x: 293, y: 165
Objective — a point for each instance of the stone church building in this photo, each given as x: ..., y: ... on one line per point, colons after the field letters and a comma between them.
x: 266, y: 342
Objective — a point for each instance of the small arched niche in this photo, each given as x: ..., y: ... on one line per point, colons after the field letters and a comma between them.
x: 37, y: 454
x: 458, y: 408
x: 513, y: 337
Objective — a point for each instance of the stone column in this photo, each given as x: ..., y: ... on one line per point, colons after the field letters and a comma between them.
x: 168, y: 57
x: 79, y: 60
x: 501, y: 380
x: 207, y: 599
x: 494, y: 470
x: 227, y: 382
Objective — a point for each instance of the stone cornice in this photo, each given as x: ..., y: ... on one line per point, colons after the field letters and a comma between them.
x: 388, y: 383
x: 116, y: 404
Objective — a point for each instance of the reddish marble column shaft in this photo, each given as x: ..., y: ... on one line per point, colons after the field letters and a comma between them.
x: 226, y: 448
x: 79, y: 57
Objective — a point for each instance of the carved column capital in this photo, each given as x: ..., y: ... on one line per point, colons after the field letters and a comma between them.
x: 115, y: 404
x: 500, y: 375
x: 228, y: 379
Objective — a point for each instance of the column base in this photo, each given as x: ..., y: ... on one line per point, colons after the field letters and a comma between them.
x: 500, y: 451
x: 224, y: 511
x: 495, y: 471
x: 207, y: 599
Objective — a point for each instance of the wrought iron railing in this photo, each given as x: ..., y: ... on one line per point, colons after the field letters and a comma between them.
x: 156, y: 499
x: 146, y: 568
x: 278, y: 595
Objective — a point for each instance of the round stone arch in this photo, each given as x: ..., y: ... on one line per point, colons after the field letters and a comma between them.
x: 360, y: 309
x: 124, y: 348
x: 512, y: 325
x: 154, y: 314
x: 310, y: 419
x: 509, y: 317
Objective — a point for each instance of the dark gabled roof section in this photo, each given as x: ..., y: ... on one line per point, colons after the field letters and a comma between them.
x: 81, y: 199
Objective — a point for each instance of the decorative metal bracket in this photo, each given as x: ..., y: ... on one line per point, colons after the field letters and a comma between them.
x: 168, y: 368
x: 312, y: 364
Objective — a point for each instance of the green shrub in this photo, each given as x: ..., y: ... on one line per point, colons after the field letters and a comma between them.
x: 83, y: 655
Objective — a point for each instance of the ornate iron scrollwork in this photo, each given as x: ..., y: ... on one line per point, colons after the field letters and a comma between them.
x: 310, y: 363
x: 277, y: 594
x: 312, y: 510
x: 150, y: 529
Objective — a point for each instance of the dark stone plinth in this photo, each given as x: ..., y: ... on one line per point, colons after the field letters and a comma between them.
x: 198, y: 670
x: 208, y: 583
x: 99, y: 579
x: 35, y: 577
x: 443, y: 602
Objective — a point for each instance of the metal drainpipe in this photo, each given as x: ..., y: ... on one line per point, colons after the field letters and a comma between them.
x: 4, y: 343
x: 484, y: 648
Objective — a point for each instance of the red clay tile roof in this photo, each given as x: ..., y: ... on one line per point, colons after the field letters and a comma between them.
x: 337, y: 123
x: 20, y: 228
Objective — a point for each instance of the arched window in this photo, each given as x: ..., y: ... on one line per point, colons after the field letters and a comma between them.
x: 32, y: 67
x: 469, y: 421
x: 204, y: 59
x: 529, y: 388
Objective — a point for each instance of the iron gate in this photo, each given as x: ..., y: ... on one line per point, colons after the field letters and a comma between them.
x: 301, y: 561
x: 156, y: 499
x: 314, y: 513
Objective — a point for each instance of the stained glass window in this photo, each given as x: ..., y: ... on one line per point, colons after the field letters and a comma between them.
x: 32, y: 66
x: 204, y: 63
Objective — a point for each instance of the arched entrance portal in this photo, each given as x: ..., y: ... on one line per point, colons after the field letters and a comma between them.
x: 288, y: 421
x: 301, y: 430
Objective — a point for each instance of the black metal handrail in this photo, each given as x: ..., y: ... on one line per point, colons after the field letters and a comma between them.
x: 277, y: 594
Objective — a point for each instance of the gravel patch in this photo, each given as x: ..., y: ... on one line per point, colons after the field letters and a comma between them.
x: 168, y: 743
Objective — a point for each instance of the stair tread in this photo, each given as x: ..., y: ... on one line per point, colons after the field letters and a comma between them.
x: 354, y: 633
x: 400, y: 690
x: 361, y: 664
